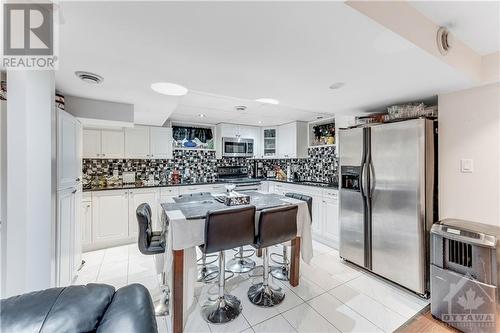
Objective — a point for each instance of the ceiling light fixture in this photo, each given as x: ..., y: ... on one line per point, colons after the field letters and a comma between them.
x: 260, y: 121
x: 170, y: 89
x: 88, y: 77
x: 201, y: 115
x: 337, y: 85
x: 268, y: 101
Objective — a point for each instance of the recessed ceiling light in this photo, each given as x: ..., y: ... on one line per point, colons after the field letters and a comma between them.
x: 268, y: 101
x: 201, y: 115
x: 240, y: 108
x: 337, y: 85
x: 260, y: 121
x: 167, y: 88
x: 89, y: 77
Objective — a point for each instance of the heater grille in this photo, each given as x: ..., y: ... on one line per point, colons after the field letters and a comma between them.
x: 460, y: 253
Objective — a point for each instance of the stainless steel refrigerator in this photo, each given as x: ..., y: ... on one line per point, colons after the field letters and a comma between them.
x: 388, y: 199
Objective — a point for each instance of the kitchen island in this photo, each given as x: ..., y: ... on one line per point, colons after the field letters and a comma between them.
x: 184, y: 226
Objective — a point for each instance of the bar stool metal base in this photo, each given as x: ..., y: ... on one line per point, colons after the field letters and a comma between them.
x: 208, y: 273
x: 280, y: 272
x: 265, y: 296
x: 240, y: 265
x: 162, y: 305
x: 222, y: 310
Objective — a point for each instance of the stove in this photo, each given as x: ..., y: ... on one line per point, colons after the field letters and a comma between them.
x: 238, y: 175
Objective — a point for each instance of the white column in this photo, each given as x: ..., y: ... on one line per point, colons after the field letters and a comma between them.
x: 29, y: 228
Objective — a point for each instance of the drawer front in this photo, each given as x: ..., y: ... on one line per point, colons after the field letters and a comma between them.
x: 169, y: 191
x: 331, y: 194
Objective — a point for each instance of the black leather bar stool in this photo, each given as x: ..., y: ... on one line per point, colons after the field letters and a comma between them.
x: 226, y: 229
x: 282, y: 271
x: 150, y: 243
x: 276, y: 226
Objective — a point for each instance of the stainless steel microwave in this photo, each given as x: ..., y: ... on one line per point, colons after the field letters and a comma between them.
x: 234, y: 147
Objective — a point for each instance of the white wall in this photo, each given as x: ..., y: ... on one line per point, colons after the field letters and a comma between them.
x: 469, y: 128
x: 28, y: 230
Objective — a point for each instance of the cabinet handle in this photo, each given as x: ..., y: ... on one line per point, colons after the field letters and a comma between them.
x: 103, y: 154
x: 78, y: 179
x: 88, y: 206
x: 74, y: 191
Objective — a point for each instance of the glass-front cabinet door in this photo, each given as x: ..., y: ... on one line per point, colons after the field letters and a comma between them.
x: 270, y: 142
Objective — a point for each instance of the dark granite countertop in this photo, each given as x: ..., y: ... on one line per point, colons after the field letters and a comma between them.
x: 132, y: 186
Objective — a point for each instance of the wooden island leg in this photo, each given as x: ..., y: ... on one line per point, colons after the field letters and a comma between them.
x: 295, y: 262
x: 178, y: 292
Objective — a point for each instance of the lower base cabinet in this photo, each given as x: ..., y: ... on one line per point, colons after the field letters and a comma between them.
x: 325, y: 211
x: 110, y: 214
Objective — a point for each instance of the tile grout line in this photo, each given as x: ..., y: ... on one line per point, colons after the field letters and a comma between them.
x: 376, y: 301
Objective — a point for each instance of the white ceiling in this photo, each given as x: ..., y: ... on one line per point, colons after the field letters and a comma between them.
x: 291, y: 51
x: 476, y: 23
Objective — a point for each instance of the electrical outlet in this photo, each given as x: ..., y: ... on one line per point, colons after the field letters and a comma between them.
x: 466, y: 165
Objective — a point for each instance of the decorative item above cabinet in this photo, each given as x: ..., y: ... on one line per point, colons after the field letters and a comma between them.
x: 322, y: 133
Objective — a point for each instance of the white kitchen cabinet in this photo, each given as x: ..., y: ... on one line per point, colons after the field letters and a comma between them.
x: 317, y: 214
x: 103, y: 143
x: 137, y: 142
x: 112, y: 144
x: 68, y: 141
x: 91, y: 143
x: 293, y: 141
x: 330, y: 220
x: 110, y: 215
x: 161, y: 142
x: 135, y: 198
x: 65, y: 239
x: 77, y: 229
x: 269, y: 142
x: 212, y: 188
x: 86, y: 224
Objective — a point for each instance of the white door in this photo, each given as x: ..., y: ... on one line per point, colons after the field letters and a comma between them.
x: 86, y: 224
x: 137, y: 197
x: 137, y: 142
x: 65, y: 239
x: 161, y: 142
x: 330, y: 220
x: 109, y: 216
x: 317, y: 214
x: 91, y: 143
x: 112, y: 144
x: 67, y: 150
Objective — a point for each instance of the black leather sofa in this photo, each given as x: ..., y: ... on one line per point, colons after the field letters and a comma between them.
x: 91, y: 308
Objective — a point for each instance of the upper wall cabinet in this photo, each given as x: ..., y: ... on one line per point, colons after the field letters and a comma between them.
x: 141, y: 142
x: 103, y: 143
x: 148, y: 142
x: 137, y: 142
x: 160, y: 142
x: 292, y: 142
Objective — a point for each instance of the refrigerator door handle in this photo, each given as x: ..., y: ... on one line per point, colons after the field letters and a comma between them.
x: 362, y: 180
x: 372, y: 178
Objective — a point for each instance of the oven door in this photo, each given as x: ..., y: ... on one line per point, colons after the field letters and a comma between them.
x: 231, y: 147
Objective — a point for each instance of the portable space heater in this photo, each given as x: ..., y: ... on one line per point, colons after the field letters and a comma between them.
x: 465, y: 272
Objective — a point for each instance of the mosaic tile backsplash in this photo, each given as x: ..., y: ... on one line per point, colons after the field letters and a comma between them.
x: 321, y: 166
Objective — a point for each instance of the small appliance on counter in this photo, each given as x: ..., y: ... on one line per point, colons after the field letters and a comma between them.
x: 465, y: 273
x: 271, y: 174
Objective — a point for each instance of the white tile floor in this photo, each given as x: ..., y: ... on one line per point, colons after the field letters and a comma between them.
x: 332, y: 296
